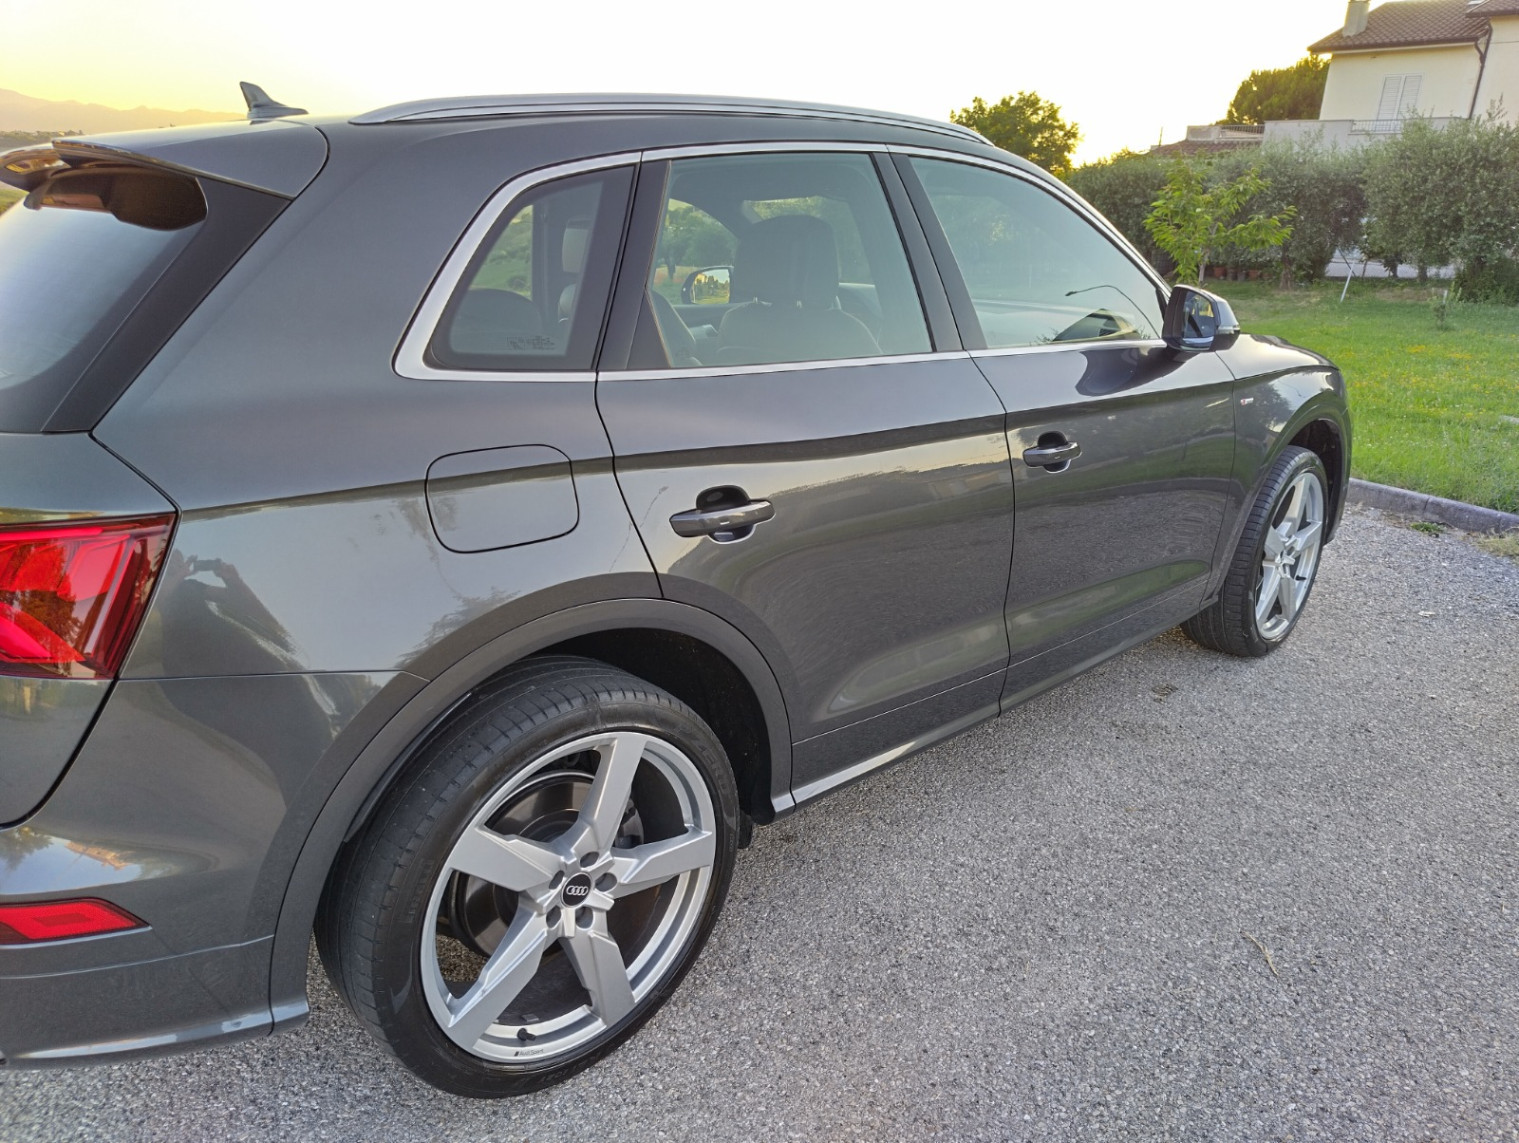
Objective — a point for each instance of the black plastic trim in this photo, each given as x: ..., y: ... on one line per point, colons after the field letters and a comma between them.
x: 235, y: 218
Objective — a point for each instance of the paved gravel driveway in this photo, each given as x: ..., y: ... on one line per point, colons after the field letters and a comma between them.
x: 1039, y: 930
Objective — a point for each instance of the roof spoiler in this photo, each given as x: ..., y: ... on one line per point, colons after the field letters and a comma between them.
x: 30, y: 167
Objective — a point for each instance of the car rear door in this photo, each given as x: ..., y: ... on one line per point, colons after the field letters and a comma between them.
x: 840, y: 495
x: 1122, y: 450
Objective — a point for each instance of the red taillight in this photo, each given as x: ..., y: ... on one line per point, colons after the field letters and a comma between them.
x: 62, y: 920
x: 72, y: 595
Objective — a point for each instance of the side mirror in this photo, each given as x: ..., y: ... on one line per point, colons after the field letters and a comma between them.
x: 1197, y: 321
x: 709, y: 287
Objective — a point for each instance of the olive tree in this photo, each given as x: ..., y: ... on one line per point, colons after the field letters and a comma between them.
x: 1436, y: 196
x: 1323, y: 188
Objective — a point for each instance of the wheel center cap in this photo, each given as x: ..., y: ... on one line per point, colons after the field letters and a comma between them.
x: 576, y: 890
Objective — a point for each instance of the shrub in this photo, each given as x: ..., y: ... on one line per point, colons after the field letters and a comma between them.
x: 1445, y: 195
x: 1495, y: 280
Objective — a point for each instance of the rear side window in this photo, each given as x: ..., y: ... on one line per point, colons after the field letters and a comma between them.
x: 774, y: 259
x: 75, y: 256
x: 1036, y: 271
x: 534, y: 295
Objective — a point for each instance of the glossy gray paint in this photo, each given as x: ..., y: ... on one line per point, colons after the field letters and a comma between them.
x: 55, y: 477
x: 1135, y: 518
x: 42, y: 722
x: 46, y: 479
x: 501, y: 497
x: 311, y: 625
x: 881, y: 578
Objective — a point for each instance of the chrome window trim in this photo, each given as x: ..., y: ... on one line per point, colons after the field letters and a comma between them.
x: 410, y: 361
x: 1071, y: 346
x: 706, y: 371
x: 499, y: 106
x: 774, y: 147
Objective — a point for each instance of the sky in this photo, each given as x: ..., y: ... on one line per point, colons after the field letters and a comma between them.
x: 1125, y: 71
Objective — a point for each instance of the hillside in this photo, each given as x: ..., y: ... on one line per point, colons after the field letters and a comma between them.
x: 20, y: 112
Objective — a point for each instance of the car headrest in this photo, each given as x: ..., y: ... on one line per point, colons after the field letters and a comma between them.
x: 789, y: 260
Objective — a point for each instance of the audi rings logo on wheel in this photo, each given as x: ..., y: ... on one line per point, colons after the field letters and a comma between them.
x: 576, y: 889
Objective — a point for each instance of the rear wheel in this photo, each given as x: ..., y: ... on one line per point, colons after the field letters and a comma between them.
x: 1275, y: 563
x: 541, y: 883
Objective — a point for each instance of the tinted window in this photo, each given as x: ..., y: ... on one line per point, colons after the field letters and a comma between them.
x: 1036, y: 271
x: 75, y: 257
x: 534, y: 295
x: 778, y: 258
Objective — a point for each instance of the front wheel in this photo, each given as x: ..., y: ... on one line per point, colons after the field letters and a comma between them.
x: 1275, y: 563
x: 539, y: 886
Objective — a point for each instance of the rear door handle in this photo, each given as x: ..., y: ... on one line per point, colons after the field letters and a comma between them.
x: 723, y: 524
x: 1053, y: 456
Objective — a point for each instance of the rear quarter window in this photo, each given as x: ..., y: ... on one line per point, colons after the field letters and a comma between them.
x: 84, y: 262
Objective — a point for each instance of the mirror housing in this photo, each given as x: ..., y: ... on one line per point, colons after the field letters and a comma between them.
x: 1197, y: 321
x: 707, y: 287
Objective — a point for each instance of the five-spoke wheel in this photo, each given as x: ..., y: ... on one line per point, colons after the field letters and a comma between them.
x: 533, y: 894
x: 1274, y: 563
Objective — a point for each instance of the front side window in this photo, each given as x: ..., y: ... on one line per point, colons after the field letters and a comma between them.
x: 1036, y: 271
x: 534, y: 294
x: 773, y: 258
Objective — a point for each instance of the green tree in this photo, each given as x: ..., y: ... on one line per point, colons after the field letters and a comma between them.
x: 1191, y: 219
x: 1026, y: 125
x: 1437, y: 196
x: 1294, y: 92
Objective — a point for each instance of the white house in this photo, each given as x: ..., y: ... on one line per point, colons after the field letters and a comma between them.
x: 1440, y: 59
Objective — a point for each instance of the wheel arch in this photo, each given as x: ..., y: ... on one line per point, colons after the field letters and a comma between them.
x: 1324, y: 435
x: 692, y: 653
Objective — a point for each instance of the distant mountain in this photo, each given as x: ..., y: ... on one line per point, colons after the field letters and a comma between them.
x: 27, y: 113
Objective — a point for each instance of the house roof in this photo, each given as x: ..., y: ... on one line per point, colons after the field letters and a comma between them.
x: 1494, y: 8
x: 1410, y: 23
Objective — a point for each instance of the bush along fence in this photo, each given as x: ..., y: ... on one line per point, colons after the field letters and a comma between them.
x: 1427, y: 197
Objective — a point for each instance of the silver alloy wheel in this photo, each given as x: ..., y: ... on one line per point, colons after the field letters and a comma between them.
x: 565, y: 890
x: 1290, y: 556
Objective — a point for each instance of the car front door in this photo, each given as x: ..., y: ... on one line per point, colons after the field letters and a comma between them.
x: 833, y: 483
x: 1122, y: 450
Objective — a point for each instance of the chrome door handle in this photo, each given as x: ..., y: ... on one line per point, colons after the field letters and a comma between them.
x: 1054, y: 456
x: 722, y: 523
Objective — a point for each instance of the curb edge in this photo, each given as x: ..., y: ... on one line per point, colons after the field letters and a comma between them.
x: 1455, y: 513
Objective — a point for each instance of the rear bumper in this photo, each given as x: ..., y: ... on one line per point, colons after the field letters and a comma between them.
x: 145, y: 1007
x: 186, y: 805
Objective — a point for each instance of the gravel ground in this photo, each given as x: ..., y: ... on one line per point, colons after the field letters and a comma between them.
x: 1181, y: 898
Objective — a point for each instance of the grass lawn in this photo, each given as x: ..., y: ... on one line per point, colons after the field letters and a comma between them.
x: 9, y: 195
x: 1436, y: 410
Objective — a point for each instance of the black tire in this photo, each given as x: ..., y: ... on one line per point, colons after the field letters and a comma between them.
x: 1232, y: 624
x: 381, y: 897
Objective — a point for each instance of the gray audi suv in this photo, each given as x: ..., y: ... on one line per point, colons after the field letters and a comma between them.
x: 450, y: 530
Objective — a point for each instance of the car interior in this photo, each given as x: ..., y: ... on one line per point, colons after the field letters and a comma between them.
x: 791, y: 227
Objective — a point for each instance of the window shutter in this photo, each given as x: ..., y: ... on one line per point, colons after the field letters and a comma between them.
x: 1392, y: 91
x: 1410, y: 102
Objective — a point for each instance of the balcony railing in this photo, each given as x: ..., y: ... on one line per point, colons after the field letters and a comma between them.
x: 1376, y: 126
